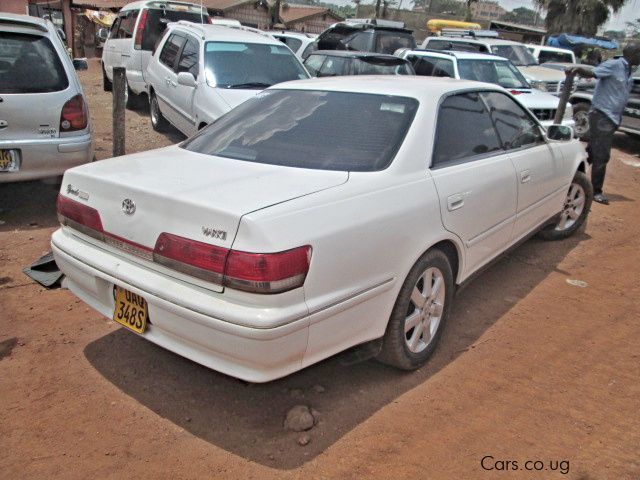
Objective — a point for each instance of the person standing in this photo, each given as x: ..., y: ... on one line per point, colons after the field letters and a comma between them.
x: 613, y: 87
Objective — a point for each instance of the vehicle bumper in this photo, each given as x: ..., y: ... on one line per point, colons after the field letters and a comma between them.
x: 49, y: 157
x: 197, y: 326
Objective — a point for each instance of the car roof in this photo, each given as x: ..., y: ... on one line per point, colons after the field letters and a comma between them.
x: 140, y: 4
x: 18, y: 20
x: 367, y: 26
x: 550, y: 49
x: 425, y: 89
x: 301, y: 35
x: 353, y: 54
x: 457, y: 54
x: 223, y: 33
x: 478, y: 40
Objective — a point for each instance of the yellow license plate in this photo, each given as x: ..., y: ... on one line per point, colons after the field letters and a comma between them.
x: 8, y: 160
x: 131, y: 310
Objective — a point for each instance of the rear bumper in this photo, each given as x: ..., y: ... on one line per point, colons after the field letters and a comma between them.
x: 50, y: 157
x: 252, y: 353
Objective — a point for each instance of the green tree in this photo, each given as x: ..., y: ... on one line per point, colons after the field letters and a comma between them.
x: 582, y: 17
x: 618, y: 35
x: 521, y: 15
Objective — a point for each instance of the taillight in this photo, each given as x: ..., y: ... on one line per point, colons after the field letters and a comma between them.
x: 142, y: 23
x: 194, y: 258
x: 80, y: 217
x: 515, y: 92
x: 251, y: 272
x: 267, y: 272
x: 74, y: 115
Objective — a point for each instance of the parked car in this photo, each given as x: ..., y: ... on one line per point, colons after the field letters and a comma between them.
x: 44, y: 119
x: 544, y: 54
x: 366, y: 35
x: 200, y: 72
x: 332, y: 63
x: 302, y: 44
x: 320, y: 215
x: 491, y: 69
x: 133, y: 37
x: 581, y: 101
x: 539, y: 77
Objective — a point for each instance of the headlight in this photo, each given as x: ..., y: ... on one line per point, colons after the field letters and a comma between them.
x: 539, y: 85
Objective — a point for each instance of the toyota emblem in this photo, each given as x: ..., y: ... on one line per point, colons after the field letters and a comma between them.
x: 128, y: 206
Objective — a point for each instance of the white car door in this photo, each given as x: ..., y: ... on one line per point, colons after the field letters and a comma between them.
x: 540, y: 167
x: 120, y: 43
x: 109, y: 51
x: 475, y: 179
x: 183, y: 95
x: 167, y: 78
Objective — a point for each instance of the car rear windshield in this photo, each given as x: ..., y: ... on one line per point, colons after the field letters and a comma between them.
x: 157, y: 21
x: 250, y: 65
x: 381, y: 66
x: 30, y: 64
x: 518, y: 54
x: 500, y: 72
x: 311, y: 129
x: 551, y: 56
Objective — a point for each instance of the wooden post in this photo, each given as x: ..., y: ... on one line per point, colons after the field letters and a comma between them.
x: 119, y: 85
x: 564, y: 98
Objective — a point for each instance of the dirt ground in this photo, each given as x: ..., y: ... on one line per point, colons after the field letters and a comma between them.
x: 530, y: 369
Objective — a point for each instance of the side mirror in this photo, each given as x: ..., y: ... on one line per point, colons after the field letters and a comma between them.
x: 80, y: 64
x: 560, y: 133
x: 187, y: 79
x: 102, y: 34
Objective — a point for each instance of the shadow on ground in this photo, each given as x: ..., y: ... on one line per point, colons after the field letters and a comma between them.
x: 27, y: 205
x: 247, y: 419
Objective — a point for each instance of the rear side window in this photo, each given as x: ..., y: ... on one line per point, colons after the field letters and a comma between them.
x: 464, y: 130
x: 157, y: 21
x: 189, y: 58
x: 30, y: 64
x: 127, y: 24
x: 170, y: 50
x: 432, y: 67
x: 380, y: 66
x: 515, y: 127
x: 334, y: 66
x: 313, y: 63
x: 311, y: 129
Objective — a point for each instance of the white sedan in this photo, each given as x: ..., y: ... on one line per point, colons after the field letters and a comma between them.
x: 317, y: 216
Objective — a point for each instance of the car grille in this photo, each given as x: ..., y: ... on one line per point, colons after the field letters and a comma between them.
x: 554, y: 87
x: 543, y: 114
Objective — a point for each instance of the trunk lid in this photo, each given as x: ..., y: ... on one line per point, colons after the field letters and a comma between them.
x: 184, y: 193
x: 31, y: 116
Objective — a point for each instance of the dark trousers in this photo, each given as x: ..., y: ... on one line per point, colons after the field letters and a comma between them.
x: 601, y: 131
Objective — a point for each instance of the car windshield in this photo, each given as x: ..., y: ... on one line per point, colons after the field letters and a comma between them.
x: 381, y: 66
x: 492, y: 71
x: 311, y: 129
x: 29, y: 64
x: 518, y: 54
x: 250, y: 65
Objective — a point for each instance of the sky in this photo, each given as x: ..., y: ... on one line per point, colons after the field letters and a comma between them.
x: 629, y: 12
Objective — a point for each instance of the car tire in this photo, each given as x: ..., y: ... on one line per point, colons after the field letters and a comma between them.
x: 581, y: 117
x: 158, y: 122
x: 421, y: 309
x: 107, y: 86
x: 132, y: 101
x: 574, y: 211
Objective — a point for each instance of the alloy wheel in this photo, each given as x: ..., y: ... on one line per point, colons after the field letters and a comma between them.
x: 425, y: 310
x: 573, y: 207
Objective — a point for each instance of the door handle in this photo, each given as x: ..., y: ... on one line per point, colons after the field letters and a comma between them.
x: 454, y: 202
x: 525, y: 176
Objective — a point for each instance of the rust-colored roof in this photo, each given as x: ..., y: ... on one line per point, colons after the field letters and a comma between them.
x: 294, y: 13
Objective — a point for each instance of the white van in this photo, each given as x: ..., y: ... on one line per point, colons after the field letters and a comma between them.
x: 134, y: 35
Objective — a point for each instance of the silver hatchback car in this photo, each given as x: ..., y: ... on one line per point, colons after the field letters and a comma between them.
x: 44, y: 120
